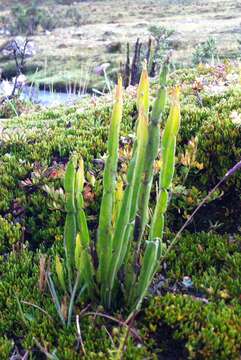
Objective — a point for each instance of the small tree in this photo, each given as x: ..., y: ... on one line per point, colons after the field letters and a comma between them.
x: 161, y: 36
x: 27, y: 18
x: 205, y: 52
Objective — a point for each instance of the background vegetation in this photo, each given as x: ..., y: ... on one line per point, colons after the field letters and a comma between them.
x: 94, y: 34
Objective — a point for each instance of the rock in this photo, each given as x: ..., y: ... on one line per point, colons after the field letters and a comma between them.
x: 5, y: 32
x: 62, y: 46
x: 99, y: 70
x: 114, y: 47
x: 175, y: 44
x: 187, y: 282
x: 6, y: 88
x: 108, y: 34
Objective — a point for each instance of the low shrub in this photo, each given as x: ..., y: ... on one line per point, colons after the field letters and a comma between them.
x: 205, y: 52
x: 212, y: 261
x: 27, y: 18
x: 10, y: 233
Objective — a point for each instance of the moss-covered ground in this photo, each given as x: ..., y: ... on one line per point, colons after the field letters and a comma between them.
x: 193, y: 308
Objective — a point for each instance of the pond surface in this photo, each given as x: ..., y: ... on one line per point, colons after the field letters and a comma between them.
x: 49, y: 98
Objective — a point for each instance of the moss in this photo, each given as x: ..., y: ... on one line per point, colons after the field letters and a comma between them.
x: 34, y: 144
x: 19, y: 279
x: 212, y: 261
x: 211, y: 331
x: 208, y: 330
x: 206, y: 317
x: 10, y: 233
x: 6, y: 346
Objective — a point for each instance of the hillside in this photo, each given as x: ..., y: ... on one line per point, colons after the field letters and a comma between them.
x: 74, y: 39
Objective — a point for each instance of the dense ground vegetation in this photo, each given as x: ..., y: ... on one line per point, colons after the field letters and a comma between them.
x: 198, y: 316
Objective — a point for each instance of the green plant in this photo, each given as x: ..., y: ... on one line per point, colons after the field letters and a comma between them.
x: 10, y: 233
x: 161, y: 37
x: 27, y: 18
x: 118, y: 245
x: 205, y: 52
x: 75, y: 15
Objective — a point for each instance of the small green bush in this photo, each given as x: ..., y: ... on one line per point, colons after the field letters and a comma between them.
x: 205, y: 52
x: 212, y: 261
x: 10, y: 233
x: 162, y: 43
x: 27, y: 18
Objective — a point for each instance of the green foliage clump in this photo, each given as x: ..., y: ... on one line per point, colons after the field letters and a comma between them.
x: 26, y: 18
x: 13, y: 107
x: 30, y: 328
x: 120, y: 234
x: 162, y: 42
x: 218, y: 136
x: 206, y: 322
x: 10, y: 233
x: 205, y: 52
x: 6, y: 347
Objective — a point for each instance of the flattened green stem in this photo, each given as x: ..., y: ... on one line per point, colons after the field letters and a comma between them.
x: 118, y: 200
x: 143, y: 91
x: 146, y: 274
x: 119, y: 232
x: 141, y: 219
x: 83, y: 237
x: 158, y: 217
x: 70, y: 222
x: 104, y: 242
x: 127, y: 214
x: 140, y: 151
x: 151, y: 154
x: 168, y: 166
x: 60, y: 272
